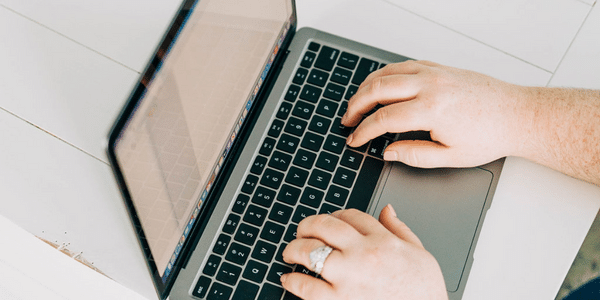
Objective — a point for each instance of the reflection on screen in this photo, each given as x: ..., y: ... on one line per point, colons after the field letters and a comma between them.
x: 174, y: 141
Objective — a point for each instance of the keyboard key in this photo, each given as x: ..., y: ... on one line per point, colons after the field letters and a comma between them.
x: 219, y: 292
x: 290, y: 233
x: 337, y: 195
x: 255, y: 271
x: 255, y: 215
x: 302, y: 212
x: 295, y: 126
x: 276, y: 271
x: 296, y: 176
x: 246, y: 234
x: 319, y: 124
x: 290, y: 296
x: 341, y: 76
x: 351, y: 91
x: 312, y: 197
x: 259, y: 165
x: 272, y: 178
x: 284, y: 110
x: 343, y: 108
x: 365, y: 67
x: 288, y: 143
x: 292, y: 93
x: 340, y: 129
x: 201, y: 287
x: 237, y: 253
x: 249, y: 184
x: 267, y: 146
x: 276, y: 128
x: 272, y: 232
x: 308, y: 59
x: 318, y: 77
x: 344, y: 177
x: 334, y: 91
x: 314, y: 46
x: 212, y: 264
x: 351, y: 159
x: 281, y: 213
x: 300, y: 76
x: 280, y: 161
x: 263, y: 196
x: 328, y: 209
x: 327, y: 108
x: 348, y: 60
x: 312, y: 141
x: 304, y: 159
x: 327, y: 58
x: 271, y: 292
x: 334, y: 144
x: 264, y: 251
x: 245, y: 290
x: 303, y: 110
x: 231, y: 223
x: 240, y: 203
x: 228, y: 273
x: 378, y: 146
x: 319, y: 179
x: 279, y: 255
x: 310, y: 93
x: 366, y: 182
x: 222, y: 244
x: 327, y: 161
x: 288, y: 194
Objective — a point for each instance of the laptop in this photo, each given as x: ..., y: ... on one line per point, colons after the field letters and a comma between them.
x: 232, y: 136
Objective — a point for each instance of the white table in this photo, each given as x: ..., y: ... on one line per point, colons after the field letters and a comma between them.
x: 66, y: 68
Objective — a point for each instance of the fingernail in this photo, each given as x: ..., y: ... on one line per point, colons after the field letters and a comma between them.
x: 392, y: 210
x: 349, y: 139
x: 283, y: 278
x: 390, y: 155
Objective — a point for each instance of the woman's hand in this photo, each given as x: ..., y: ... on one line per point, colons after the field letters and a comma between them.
x: 370, y: 259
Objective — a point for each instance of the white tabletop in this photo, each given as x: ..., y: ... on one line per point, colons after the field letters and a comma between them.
x: 66, y: 68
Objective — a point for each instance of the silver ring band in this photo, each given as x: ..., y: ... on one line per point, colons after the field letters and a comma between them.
x: 318, y: 257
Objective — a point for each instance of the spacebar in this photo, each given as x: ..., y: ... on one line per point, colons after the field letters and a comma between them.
x: 365, y: 184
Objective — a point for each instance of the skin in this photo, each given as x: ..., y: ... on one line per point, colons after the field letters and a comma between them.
x: 472, y: 119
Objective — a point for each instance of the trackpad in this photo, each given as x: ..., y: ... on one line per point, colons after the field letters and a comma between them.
x: 442, y: 207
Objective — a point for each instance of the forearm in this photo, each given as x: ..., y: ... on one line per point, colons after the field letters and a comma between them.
x: 563, y: 131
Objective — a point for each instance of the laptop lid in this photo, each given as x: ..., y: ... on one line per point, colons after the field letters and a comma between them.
x: 180, y: 126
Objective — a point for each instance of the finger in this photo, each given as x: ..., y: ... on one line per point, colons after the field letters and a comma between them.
x: 405, y: 67
x: 389, y: 220
x: 382, y: 90
x: 306, y: 286
x: 362, y: 222
x: 332, y: 231
x: 298, y: 252
x: 397, y: 117
x: 421, y: 154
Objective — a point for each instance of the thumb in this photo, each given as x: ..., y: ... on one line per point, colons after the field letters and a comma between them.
x: 418, y: 153
x: 390, y: 221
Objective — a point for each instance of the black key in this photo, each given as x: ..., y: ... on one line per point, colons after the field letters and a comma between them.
x: 231, y: 223
x: 276, y: 271
x: 365, y: 67
x: 245, y: 291
x: 312, y: 197
x: 295, y: 126
x: 304, y: 270
x: 327, y: 108
x: 212, y: 264
x: 381, y: 66
x: 318, y: 77
x: 284, y: 110
x: 271, y: 292
x: 249, y: 184
x: 304, y: 159
x: 272, y: 178
x: 340, y: 129
x: 303, y: 110
x: 319, y: 124
x: 341, y: 76
x: 276, y: 128
x: 302, y: 212
x: 378, y: 146
x: 259, y: 165
x: 343, y: 108
x: 300, y: 76
x: 290, y: 296
x: 240, y: 203
x: 272, y: 232
x: 281, y: 213
x: 361, y: 149
x: 246, y: 234
x: 327, y: 58
x: 219, y: 292
x: 255, y: 271
x: 296, y: 176
x: 222, y: 244
x: 201, y: 287
x: 228, y: 273
x: 292, y: 93
x: 314, y: 46
x: 319, y: 179
x: 327, y: 161
x: 288, y: 194
x: 334, y: 91
x: 311, y: 93
x: 328, y: 209
x: 312, y: 141
x: 280, y: 161
x: 337, y: 195
x: 308, y: 59
x: 348, y: 60
x: 255, y: 215
x: 334, y: 144
x: 288, y: 143
x: 279, y: 255
x: 344, y: 177
x: 267, y: 146
x: 237, y: 253
x: 351, y: 91
x: 351, y: 159
x: 264, y: 251
x: 290, y: 234
x: 366, y: 183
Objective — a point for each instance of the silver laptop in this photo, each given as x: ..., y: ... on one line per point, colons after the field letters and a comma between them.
x: 232, y: 136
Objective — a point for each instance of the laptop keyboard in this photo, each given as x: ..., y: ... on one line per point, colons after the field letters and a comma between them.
x: 303, y: 168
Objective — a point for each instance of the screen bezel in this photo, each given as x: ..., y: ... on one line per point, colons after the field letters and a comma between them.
x: 178, y: 22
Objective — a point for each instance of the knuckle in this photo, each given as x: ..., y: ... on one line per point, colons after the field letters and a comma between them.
x: 381, y: 117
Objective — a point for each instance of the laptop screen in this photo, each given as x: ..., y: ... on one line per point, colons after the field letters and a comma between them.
x: 195, y: 97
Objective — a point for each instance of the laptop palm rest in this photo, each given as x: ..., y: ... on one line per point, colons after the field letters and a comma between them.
x: 443, y: 208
